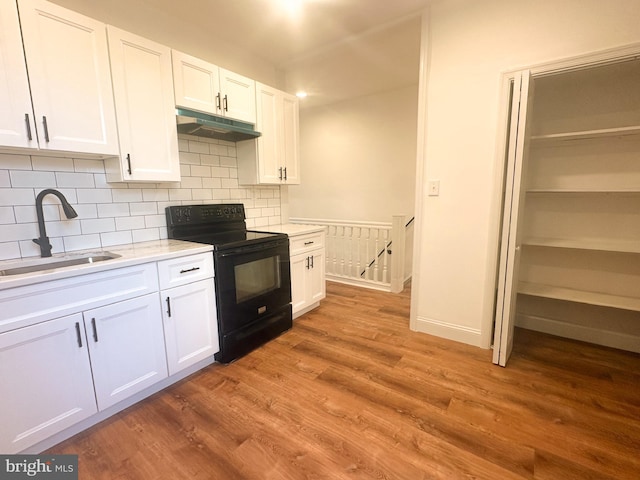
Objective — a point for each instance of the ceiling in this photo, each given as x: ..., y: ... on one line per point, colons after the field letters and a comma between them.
x: 332, y: 49
x: 280, y: 33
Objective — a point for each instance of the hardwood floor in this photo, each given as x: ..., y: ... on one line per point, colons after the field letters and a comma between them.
x: 351, y: 392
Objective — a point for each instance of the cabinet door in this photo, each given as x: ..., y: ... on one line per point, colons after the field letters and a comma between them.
x: 270, y: 169
x: 317, y: 285
x: 238, y: 96
x: 126, y: 345
x: 510, y: 246
x: 299, y: 280
x: 69, y: 74
x: 289, y: 138
x: 190, y: 324
x: 45, y: 381
x: 16, y: 117
x: 196, y: 83
x: 145, y: 108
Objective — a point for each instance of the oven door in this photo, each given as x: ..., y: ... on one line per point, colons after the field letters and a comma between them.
x: 252, y: 281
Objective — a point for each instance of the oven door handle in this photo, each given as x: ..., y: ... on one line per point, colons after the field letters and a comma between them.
x: 253, y: 248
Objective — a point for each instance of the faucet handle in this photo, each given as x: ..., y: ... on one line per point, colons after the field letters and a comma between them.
x: 45, y: 246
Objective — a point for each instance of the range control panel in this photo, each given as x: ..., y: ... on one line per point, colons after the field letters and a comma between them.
x: 199, y: 214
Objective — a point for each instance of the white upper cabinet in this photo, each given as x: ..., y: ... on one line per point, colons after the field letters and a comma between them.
x: 143, y: 91
x: 238, y: 96
x: 16, y: 116
x: 202, y: 86
x: 68, y: 64
x: 274, y: 157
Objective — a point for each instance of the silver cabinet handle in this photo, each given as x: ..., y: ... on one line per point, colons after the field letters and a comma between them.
x: 225, y: 103
x: 169, y: 306
x: 129, y: 163
x: 285, y: 174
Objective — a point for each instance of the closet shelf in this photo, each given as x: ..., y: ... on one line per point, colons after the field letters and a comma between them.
x: 589, y: 191
x: 579, y: 296
x: 586, y: 134
x: 619, y: 246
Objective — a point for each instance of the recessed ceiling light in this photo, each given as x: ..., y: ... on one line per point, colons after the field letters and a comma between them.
x: 301, y: 94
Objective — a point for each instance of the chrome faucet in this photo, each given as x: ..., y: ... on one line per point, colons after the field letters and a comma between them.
x: 43, y: 241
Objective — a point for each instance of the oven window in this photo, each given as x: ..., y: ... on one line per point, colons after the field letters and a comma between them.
x: 257, y: 278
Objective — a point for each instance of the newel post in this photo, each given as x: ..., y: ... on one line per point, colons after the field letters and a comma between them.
x: 398, y: 238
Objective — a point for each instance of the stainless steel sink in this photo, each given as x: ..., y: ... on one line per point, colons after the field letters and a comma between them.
x: 31, y: 266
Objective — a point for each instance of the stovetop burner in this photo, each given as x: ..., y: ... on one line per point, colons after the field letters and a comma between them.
x: 220, y: 225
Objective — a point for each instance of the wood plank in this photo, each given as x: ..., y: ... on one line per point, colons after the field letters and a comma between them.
x: 351, y: 393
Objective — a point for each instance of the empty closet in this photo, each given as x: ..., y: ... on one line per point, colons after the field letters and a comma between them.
x: 570, y: 243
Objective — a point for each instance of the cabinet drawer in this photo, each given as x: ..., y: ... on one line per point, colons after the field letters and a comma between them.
x: 183, y: 270
x: 305, y: 243
x: 30, y: 304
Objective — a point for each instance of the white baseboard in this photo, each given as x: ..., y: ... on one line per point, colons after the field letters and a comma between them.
x: 384, y: 287
x: 606, y: 338
x: 450, y: 331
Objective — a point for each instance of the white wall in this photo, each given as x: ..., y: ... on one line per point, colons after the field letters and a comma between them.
x: 358, y: 158
x: 471, y: 42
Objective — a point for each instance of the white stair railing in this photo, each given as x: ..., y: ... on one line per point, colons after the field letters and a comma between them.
x: 369, y: 254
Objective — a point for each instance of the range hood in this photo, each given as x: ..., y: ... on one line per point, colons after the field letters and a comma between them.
x: 200, y: 124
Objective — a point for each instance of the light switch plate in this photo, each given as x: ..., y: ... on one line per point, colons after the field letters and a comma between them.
x: 433, y: 188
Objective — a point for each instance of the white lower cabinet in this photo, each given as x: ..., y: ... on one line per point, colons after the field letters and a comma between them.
x: 127, y: 350
x: 308, y: 284
x: 190, y: 326
x: 45, y: 379
x: 77, y: 350
x: 188, y: 310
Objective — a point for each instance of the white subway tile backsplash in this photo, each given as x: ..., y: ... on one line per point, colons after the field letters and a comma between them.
x: 74, y: 180
x: 228, y: 161
x: 200, y: 171
x: 129, y: 223
x: 213, y: 160
x: 202, y: 194
x: 191, y: 182
x: 220, y: 172
x: 52, y: 164
x: 198, y: 147
x: 155, y: 195
x: 146, y: 235
x: 155, y: 221
x: 15, y: 162
x: 113, y: 210
x: 7, y: 216
x: 126, y: 195
x: 88, y: 166
x: 9, y: 250
x: 5, y: 181
x: 18, y: 231
x: 189, y: 158
x: 179, y: 194
x: 81, y: 242
x: 116, y: 238
x: 29, y: 178
x: 98, y: 225
x: 98, y: 195
x: 112, y: 214
x: 145, y: 208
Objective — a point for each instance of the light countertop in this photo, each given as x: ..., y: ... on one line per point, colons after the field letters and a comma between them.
x: 131, y: 254
x: 292, y: 229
